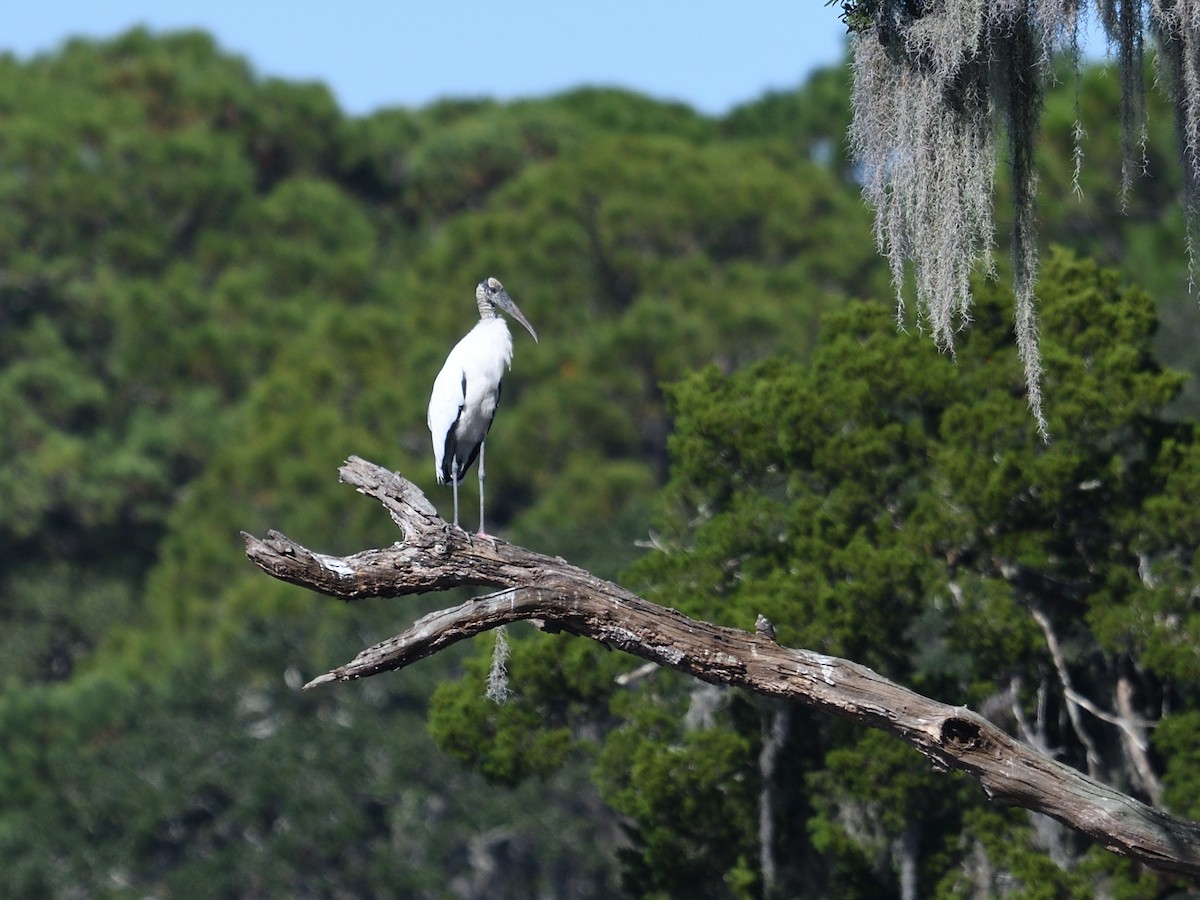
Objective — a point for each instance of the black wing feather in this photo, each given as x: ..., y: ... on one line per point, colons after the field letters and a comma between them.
x: 451, y: 453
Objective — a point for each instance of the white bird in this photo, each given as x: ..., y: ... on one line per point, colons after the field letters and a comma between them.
x: 467, y: 390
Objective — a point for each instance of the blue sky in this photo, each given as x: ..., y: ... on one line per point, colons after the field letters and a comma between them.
x: 711, y: 54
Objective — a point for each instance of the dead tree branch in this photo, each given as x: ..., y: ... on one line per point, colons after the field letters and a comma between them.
x: 557, y: 596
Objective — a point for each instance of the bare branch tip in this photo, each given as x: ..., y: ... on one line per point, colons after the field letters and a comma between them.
x: 321, y: 679
x: 349, y: 469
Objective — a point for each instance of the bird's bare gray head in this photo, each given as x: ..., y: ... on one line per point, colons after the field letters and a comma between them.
x: 490, y: 296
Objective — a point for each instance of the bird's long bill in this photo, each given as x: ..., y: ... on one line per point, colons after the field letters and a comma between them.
x: 506, y: 303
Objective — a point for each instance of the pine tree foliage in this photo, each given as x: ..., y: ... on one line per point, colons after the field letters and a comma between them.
x: 935, y: 85
x: 214, y: 282
x: 216, y: 286
x: 890, y: 506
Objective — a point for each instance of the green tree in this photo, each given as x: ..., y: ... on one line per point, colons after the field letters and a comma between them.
x: 216, y: 287
x: 896, y: 507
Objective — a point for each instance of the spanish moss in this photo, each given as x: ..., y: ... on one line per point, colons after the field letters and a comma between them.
x: 497, y: 680
x: 935, y: 84
x: 1176, y: 29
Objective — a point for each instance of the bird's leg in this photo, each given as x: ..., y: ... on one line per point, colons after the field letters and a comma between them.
x: 482, y: 475
x: 482, y: 534
x: 454, y: 485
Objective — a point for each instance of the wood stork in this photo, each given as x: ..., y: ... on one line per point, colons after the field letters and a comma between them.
x: 466, y: 391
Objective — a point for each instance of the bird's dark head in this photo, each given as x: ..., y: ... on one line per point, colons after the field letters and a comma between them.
x: 491, y: 295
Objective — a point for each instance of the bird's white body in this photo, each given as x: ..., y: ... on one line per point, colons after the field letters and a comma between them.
x: 465, y: 395
x: 467, y: 390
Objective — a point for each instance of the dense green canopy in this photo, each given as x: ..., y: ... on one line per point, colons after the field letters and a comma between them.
x: 216, y: 287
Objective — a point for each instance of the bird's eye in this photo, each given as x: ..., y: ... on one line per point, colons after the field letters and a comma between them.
x: 493, y: 285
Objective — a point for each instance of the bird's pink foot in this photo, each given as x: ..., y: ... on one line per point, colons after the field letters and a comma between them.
x: 484, y: 536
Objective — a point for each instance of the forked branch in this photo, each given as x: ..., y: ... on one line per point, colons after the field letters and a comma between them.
x: 557, y: 596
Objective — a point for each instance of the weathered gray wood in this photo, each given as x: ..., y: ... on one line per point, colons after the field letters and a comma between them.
x: 557, y: 596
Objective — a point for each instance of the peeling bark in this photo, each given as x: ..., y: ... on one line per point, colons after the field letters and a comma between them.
x: 560, y: 597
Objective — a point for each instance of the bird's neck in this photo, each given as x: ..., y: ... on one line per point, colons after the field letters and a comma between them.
x: 486, y: 310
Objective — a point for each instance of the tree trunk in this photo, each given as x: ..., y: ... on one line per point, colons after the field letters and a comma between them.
x: 775, y: 721
x: 556, y: 596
